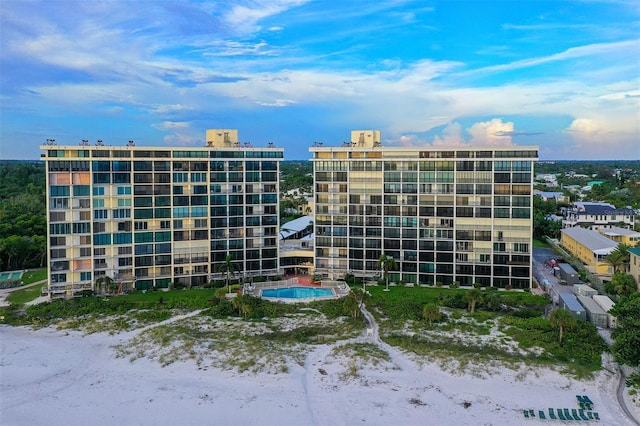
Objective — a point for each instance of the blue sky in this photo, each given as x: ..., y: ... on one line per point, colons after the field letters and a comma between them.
x: 564, y: 75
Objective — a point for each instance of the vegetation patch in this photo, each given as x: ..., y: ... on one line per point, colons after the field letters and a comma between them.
x: 265, y: 346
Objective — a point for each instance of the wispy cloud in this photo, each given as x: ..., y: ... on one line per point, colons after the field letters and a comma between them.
x: 420, y: 74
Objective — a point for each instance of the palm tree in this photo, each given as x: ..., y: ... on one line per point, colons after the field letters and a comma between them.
x: 473, y: 297
x: 431, y: 312
x: 228, y: 268
x: 616, y: 259
x: 102, y: 283
x: 623, y: 249
x: 623, y: 283
x: 561, y: 319
x: 386, y: 264
x: 241, y: 303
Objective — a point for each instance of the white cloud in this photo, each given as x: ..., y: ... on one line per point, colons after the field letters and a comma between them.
x: 451, y: 135
x: 493, y: 132
x: 171, y: 125
x: 604, y: 139
x: 245, y: 18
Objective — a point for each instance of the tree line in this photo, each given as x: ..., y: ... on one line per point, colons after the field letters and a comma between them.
x: 23, y: 220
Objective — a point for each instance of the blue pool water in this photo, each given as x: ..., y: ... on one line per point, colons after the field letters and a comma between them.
x: 297, y: 292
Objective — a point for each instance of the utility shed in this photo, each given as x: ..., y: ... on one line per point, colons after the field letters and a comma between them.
x: 570, y: 303
x: 595, y: 314
x: 606, y: 304
x: 584, y: 290
x: 568, y: 274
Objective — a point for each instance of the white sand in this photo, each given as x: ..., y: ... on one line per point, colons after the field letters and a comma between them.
x: 50, y: 377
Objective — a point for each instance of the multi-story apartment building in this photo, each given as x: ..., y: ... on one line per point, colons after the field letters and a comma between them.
x: 150, y: 216
x: 598, y: 216
x: 445, y: 214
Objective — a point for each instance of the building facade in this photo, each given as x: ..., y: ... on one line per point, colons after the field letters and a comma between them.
x: 634, y: 264
x: 150, y: 217
x: 591, y: 247
x: 598, y: 216
x: 445, y: 214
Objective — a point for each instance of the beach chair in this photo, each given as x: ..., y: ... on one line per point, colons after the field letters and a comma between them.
x: 551, y: 414
x: 596, y: 416
x: 541, y: 415
x: 574, y: 414
x: 560, y: 415
x: 582, y: 415
x: 526, y: 414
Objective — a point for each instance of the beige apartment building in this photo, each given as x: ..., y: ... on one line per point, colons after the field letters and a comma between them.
x: 151, y: 217
x: 460, y: 214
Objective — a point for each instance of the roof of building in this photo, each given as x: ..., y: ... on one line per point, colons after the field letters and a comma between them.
x: 294, y: 226
x: 604, y: 301
x: 549, y: 194
x: 619, y: 232
x: 600, y: 209
x: 582, y: 204
x: 590, y: 305
x: 571, y: 302
x: 593, y: 240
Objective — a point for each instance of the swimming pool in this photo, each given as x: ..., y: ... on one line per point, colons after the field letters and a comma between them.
x: 297, y: 292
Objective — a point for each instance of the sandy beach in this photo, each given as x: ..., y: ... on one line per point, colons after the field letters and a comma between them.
x: 52, y: 377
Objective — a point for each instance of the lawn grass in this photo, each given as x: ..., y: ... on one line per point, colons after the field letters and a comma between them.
x: 25, y: 295
x: 34, y: 275
x: 540, y: 244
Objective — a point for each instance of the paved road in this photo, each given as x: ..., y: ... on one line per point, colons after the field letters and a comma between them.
x: 544, y: 274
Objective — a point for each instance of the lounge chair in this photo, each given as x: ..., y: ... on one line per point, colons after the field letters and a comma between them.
x: 526, y: 414
x: 586, y: 399
x: 531, y: 413
x: 567, y: 414
x: 582, y: 415
x: 541, y: 415
x: 590, y: 415
x: 596, y: 416
x: 574, y: 413
x: 560, y: 414
x: 551, y: 414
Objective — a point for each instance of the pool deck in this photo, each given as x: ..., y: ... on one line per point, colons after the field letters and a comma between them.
x: 340, y: 289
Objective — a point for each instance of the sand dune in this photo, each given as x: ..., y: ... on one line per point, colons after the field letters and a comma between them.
x: 50, y: 377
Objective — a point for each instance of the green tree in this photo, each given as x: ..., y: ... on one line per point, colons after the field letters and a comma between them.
x: 562, y: 319
x: 229, y: 269
x: 103, y: 283
x: 623, y: 284
x: 492, y: 299
x: 626, y: 345
x: 243, y: 304
x: 431, y: 312
x: 386, y: 264
x: 351, y: 304
x: 473, y: 297
x: 616, y: 260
